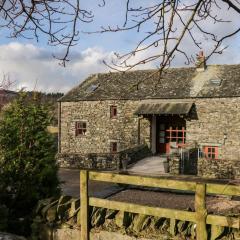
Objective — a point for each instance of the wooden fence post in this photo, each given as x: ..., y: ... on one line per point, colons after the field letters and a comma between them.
x: 172, y: 226
x: 84, y: 205
x: 201, y: 211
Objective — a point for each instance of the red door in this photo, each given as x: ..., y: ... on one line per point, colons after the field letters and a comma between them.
x: 171, y: 135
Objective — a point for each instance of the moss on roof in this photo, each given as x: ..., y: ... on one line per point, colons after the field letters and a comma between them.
x: 146, y: 84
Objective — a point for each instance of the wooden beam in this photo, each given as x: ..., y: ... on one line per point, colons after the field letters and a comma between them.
x: 201, y: 211
x: 231, y: 190
x: 146, y: 210
x: 143, y: 181
x: 232, y: 222
x: 84, y: 205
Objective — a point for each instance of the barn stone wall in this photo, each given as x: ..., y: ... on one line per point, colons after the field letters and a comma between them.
x: 216, y: 122
x: 101, y: 128
x: 213, y: 122
x: 93, y: 149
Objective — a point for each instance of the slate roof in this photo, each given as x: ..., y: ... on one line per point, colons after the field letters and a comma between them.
x: 175, y: 83
x: 7, y: 92
x: 164, y: 108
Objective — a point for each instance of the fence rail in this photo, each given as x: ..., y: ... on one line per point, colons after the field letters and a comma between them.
x: 200, y: 216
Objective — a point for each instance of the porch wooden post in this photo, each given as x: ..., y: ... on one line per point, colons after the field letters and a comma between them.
x: 153, y: 133
x: 84, y: 205
x: 201, y: 211
x: 139, y: 130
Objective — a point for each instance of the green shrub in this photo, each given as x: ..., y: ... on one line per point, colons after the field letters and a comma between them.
x: 28, y: 170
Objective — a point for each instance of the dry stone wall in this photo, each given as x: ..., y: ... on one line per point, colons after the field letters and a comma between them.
x: 104, y: 161
x: 59, y: 219
x: 174, y: 165
x: 218, y: 168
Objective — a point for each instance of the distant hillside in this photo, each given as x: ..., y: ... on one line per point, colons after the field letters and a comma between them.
x: 51, y: 100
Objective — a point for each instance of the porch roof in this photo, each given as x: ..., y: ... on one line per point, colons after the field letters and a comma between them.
x: 179, y: 108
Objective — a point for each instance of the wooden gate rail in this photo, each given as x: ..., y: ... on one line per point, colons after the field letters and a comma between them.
x: 200, y: 216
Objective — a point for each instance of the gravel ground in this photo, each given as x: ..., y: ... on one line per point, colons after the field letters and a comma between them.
x: 70, y: 185
x: 216, y: 205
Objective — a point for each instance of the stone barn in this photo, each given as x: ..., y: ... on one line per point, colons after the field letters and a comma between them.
x: 189, y: 115
x: 6, y: 96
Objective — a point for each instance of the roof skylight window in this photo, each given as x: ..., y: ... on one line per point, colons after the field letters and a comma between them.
x: 92, y: 88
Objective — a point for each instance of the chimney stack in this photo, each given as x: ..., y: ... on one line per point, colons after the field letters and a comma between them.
x: 200, y: 62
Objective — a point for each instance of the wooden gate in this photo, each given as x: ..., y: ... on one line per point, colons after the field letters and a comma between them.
x: 200, y: 216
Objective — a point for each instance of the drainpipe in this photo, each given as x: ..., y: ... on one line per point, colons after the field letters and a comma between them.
x: 139, y: 129
x: 59, y: 127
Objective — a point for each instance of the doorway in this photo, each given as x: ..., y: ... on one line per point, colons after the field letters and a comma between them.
x: 171, y: 131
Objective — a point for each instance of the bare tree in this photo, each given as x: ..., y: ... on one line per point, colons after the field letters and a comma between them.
x: 58, y: 20
x: 5, y: 94
x: 6, y: 83
x: 166, y: 23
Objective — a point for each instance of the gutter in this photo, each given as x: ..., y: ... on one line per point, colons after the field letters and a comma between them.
x: 138, y: 99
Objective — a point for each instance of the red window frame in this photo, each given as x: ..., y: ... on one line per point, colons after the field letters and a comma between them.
x: 113, y: 147
x: 211, y: 152
x: 113, y: 111
x: 80, y: 128
x: 176, y: 134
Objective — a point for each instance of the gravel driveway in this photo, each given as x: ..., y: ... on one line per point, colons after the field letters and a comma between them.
x: 215, y: 204
x: 70, y: 185
x: 157, y: 198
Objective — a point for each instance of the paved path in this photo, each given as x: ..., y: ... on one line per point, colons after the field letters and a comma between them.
x: 70, y: 185
x: 153, y: 165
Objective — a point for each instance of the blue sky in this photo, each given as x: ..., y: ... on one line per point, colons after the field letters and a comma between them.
x: 30, y: 63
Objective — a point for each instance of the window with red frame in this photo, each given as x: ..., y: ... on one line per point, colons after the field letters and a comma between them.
x: 211, y: 152
x: 80, y: 128
x: 113, y: 111
x: 113, y: 147
x: 176, y: 134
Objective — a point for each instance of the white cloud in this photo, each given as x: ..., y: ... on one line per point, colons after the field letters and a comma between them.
x: 31, y: 66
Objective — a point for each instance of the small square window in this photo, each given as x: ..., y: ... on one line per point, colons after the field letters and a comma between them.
x: 113, y: 147
x: 80, y: 128
x: 113, y: 111
x: 211, y: 152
